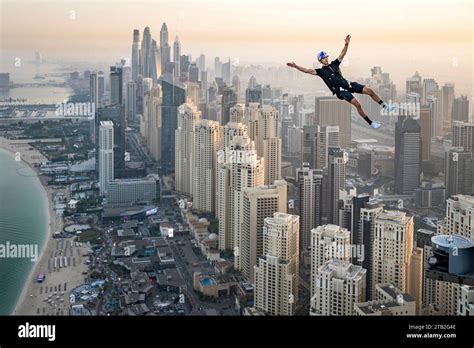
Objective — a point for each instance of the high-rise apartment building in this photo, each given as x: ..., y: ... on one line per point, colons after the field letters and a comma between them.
x: 239, y: 166
x: 331, y: 111
x: 188, y: 117
x: 392, y: 248
x: 259, y: 203
x: 310, y: 183
x: 277, y: 272
x: 207, y: 140
x: 338, y: 285
x: 106, y: 155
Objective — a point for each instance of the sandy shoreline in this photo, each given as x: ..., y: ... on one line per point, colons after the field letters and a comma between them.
x: 32, y: 300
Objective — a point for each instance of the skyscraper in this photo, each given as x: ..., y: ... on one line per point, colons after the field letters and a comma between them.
x: 459, y: 216
x: 446, y: 107
x: 229, y: 100
x: 465, y: 303
x: 239, y: 166
x: 310, y: 183
x: 94, y: 100
x: 392, y: 248
x: 165, y: 49
x: 101, y: 88
x: 204, y: 96
x: 459, y: 172
x: 217, y: 67
x: 116, y: 85
x: 184, y: 63
x: 115, y: 114
x: 407, y: 155
x: 315, y: 143
x: 192, y: 92
x: 174, y: 95
x: 336, y: 181
x: 126, y: 78
x: 135, y: 54
x: 444, y: 296
x: 94, y: 90
x: 433, y: 102
x: 188, y: 117
x: 328, y: 242
x: 262, y: 122
x: 146, y: 85
x: 237, y: 113
x: 201, y: 62
x: 363, y: 234
x: 206, y: 143
x: 338, y: 285
x: 152, y: 110
x: 146, y: 52
x: 131, y: 102
x: 331, y: 111
x: 425, y: 132
x: 461, y: 109
x: 253, y: 93
x: 269, y: 143
x: 231, y: 130
x: 357, y: 204
x: 226, y: 72
x: 106, y: 155
x: 259, y: 203
x: 277, y: 272
x: 236, y: 86
x: 430, y: 88
x: 176, y: 57
x: 414, y: 85
x: 155, y: 62
x: 463, y: 135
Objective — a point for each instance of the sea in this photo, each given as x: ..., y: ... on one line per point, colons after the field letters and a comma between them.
x: 23, y: 222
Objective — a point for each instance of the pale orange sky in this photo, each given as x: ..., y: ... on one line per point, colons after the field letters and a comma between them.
x: 399, y: 35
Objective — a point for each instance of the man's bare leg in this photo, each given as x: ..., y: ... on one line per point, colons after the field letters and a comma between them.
x: 372, y: 94
x: 362, y: 113
x: 357, y: 105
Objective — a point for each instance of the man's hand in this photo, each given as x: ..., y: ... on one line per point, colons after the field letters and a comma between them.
x: 344, y: 50
x: 307, y: 71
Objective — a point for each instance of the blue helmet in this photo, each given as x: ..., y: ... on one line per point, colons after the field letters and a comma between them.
x: 322, y: 55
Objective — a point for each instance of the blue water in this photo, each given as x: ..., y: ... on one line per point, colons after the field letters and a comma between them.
x: 207, y: 282
x: 23, y: 218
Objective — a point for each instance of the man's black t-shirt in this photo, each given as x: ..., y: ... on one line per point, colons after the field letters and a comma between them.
x: 332, y: 77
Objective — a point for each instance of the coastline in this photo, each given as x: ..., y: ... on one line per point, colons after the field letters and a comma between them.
x: 48, y: 233
x: 27, y: 303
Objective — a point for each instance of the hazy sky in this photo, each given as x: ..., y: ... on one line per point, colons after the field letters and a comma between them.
x: 432, y: 36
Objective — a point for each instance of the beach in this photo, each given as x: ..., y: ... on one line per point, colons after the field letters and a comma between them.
x: 51, y: 296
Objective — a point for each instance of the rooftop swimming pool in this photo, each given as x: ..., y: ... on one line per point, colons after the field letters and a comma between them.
x: 207, y: 281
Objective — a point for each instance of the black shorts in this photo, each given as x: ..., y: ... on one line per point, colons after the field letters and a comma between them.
x: 346, y: 94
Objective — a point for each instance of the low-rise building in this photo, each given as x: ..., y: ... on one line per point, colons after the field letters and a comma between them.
x: 210, y: 286
x: 134, y: 190
x: 389, y: 301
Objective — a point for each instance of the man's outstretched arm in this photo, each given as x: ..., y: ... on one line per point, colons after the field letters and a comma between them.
x: 305, y: 70
x: 344, y: 50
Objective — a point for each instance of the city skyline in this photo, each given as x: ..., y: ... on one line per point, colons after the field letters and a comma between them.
x: 71, y: 30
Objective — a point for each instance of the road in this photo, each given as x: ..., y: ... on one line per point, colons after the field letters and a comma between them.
x: 181, y: 267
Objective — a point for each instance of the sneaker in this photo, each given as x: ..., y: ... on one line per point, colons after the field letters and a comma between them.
x: 375, y: 125
x: 389, y: 107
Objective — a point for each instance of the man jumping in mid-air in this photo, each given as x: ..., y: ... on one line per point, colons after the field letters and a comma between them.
x: 343, y: 89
